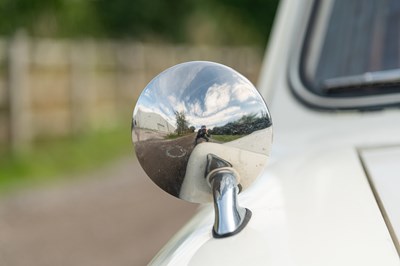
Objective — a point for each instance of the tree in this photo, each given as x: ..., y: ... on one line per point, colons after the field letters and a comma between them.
x: 226, y: 22
x: 182, y: 125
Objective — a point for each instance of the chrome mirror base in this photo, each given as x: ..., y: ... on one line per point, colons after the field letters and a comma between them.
x: 242, y: 225
x: 230, y: 218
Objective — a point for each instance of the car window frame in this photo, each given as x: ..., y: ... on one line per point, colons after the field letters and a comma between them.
x: 300, y: 87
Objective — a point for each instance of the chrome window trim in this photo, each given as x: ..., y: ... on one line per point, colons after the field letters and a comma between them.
x: 313, y: 100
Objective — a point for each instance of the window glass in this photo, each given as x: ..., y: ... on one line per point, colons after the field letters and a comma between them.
x: 353, y: 48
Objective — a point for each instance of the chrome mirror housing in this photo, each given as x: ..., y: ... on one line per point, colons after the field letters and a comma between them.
x: 202, y: 133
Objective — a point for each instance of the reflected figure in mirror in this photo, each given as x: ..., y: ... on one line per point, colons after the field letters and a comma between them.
x: 202, y: 133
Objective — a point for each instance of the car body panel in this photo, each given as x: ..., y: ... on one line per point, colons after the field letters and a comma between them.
x: 313, y: 205
x: 318, y: 211
x: 383, y: 168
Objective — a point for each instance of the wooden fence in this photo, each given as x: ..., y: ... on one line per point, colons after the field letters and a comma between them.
x: 52, y: 88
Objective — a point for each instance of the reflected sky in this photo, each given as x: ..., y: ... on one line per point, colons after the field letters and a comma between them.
x: 208, y: 93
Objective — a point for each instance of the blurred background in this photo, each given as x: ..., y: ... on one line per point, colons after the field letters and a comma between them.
x: 71, y: 190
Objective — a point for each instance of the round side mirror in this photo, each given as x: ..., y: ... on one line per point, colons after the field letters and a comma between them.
x: 194, y: 109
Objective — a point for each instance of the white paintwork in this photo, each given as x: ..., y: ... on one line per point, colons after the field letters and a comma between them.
x: 318, y: 211
x: 247, y: 155
x: 383, y: 166
x: 313, y: 205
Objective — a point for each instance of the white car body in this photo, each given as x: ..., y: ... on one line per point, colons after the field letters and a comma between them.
x: 313, y: 204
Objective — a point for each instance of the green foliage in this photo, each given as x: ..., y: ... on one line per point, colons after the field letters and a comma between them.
x: 182, y: 125
x: 232, y: 22
x: 172, y: 136
x: 156, y: 19
x: 52, y: 159
x: 247, y: 119
x: 226, y: 138
x: 244, y: 125
x: 49, y: 18
x: 224, y: 22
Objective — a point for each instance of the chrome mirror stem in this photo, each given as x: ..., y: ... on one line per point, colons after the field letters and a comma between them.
x: 230, y: 218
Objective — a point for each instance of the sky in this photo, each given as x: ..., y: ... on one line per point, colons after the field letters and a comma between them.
x: 208, y: 93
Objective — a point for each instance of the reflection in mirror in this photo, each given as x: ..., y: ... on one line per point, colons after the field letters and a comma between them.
x: 193, y: 109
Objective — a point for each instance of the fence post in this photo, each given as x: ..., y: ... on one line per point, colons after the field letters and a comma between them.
x: 21, y: 131
x: 131, y: 74
x: 81, y: 60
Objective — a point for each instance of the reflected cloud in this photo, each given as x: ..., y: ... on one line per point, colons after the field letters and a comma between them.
x: 241, y: 92
x: 208, y: 94
x: 219, y: 118
x: 217, y: 98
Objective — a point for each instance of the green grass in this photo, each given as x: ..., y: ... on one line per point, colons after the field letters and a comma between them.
x: 50, y: 160
x: 225, y: 138
x: 175, y: 135
x: 172, y: 136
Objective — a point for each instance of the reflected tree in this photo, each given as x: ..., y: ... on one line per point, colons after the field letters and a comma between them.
x: 247, y: 119
x: 244, y: 125
x: 182, y: 125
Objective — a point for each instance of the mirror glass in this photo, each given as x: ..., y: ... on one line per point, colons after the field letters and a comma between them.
x: 193, y: 109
